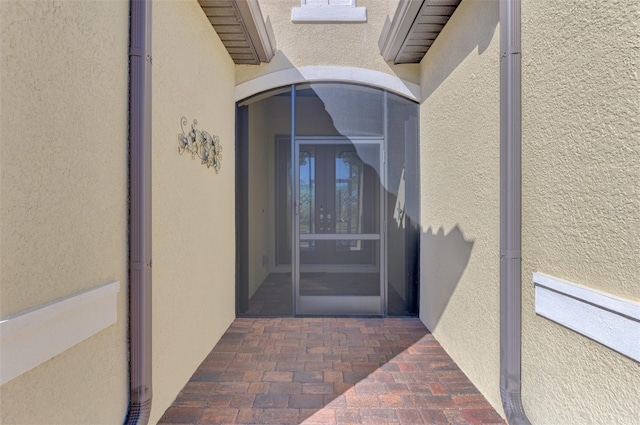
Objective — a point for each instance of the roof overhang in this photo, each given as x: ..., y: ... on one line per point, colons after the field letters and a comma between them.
x: 242, y: 29
x: 415, y: 25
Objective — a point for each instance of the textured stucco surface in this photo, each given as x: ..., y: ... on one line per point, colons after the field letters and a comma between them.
x: 193, y: 207
x: 581, y: 197
x: 342, y: 44
x: 63, y: 195
x: 459, y: 157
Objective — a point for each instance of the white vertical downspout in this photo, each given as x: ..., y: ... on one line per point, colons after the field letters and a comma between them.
x: 139, y: 213
x: 510, y: 212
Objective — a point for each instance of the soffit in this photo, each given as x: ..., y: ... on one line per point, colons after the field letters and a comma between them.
x: 415, y: 26
x: 239, y: 24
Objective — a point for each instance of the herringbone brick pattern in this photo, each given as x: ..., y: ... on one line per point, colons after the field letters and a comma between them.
x: 329, y: 371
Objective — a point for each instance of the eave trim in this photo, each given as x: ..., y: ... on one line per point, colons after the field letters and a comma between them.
x: 259, y: 31
x: 396, y: 31
x: 415, y: 26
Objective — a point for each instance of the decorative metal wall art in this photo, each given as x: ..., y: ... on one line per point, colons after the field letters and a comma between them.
x: 201, y: 144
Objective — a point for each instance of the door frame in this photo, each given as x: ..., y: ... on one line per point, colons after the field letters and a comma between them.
x: 341, y: 305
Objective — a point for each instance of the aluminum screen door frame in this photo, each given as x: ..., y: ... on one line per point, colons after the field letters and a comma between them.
x: 339, y: 304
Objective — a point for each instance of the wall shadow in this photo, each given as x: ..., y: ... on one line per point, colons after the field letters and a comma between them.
x: 475, y: 28
x: 443, y: 261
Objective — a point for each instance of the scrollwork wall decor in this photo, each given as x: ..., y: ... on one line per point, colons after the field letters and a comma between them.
x: 201, y: 144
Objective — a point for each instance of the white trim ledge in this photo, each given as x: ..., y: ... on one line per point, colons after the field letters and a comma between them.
x: 311, y: 74
x: 32, y: 337
x: 607, y: 319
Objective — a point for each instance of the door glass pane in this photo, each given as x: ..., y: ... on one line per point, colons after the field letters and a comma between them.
x: 307, y: 197
x: 348, y: 190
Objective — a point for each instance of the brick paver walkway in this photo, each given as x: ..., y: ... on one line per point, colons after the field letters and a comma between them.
x: 329, y: 371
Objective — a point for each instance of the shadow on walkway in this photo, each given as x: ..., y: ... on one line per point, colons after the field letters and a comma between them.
x: 329, y: 371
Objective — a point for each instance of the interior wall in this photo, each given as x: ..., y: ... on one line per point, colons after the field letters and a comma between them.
x: 460, y: 193
x: 261, y: 156
x: 343, y: 44
x: 193, y: 206
x: 581, y: 168
x: 63, y: 195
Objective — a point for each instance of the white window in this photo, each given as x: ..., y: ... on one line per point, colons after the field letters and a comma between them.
x: 328, y: 11
x: 328, y: 3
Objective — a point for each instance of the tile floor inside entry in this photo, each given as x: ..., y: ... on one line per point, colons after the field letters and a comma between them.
x: 273, y: 298
x: 329, y: 371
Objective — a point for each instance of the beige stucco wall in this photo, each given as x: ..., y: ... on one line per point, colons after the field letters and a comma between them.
x: 341, y: 44
x: 581, y: 197
x: 459, y: 158
x: 193, y: 207
x: 63, y: 195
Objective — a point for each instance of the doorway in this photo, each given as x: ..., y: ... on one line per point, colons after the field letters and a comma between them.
x: 314, y: 233
x: 338, y: 236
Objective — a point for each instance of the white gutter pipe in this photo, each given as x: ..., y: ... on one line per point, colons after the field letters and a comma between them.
x: 510, y: 213
x: 139, y: 213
